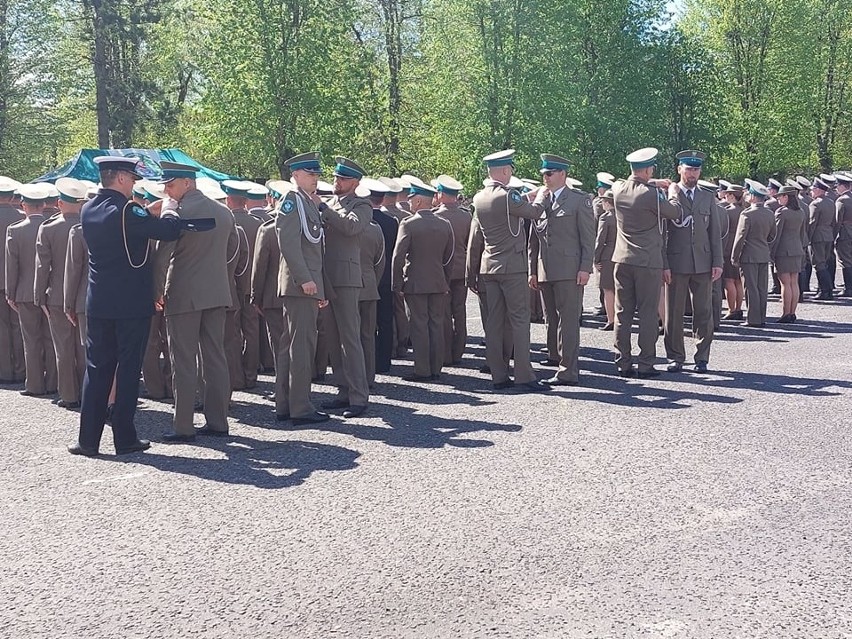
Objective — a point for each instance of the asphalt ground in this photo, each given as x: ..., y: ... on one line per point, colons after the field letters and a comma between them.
x: 713, y: 505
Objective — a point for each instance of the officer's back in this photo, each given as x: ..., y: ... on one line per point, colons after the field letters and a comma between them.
x: 197, y: 276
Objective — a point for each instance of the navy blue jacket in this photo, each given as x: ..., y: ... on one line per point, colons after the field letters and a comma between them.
x: 389, y: 227
x: 116, y: 289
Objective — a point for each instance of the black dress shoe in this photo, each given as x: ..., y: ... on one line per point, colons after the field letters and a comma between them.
x: 531, y: 387
x: 607, y: 327
x: 177, y: 438
x: 211, y: 432
x: 762, y: 325
x: 354, y: 411
x: 335, y: 404
x: 485, y: 369
x: 315, y: 418
x: 138, y: 446
x: 627, y: 372
x: 69, y: 405
x: 555, y: 381
x: 76, y: 449
x: 647, y: 374
x: 550, y: 362
x: 282, y: 417
x: 27, y: 393
x: 417, y: 378
x: 733, y: 315
x: 784, y: 319
x: 700, y: 367
x: 503, y: 385
x: 674, y: 367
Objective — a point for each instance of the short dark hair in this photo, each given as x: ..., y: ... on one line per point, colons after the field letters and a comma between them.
x: 377, y: 198
x: 109, y: 176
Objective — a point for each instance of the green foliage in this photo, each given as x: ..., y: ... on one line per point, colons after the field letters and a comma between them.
x: 429, y: 86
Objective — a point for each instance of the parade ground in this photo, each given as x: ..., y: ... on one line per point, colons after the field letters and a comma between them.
x: 713, y: 505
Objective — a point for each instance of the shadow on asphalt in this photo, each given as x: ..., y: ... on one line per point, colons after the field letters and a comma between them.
x: 601, y: 363
x: 251, y: 462
x: 409, y: 428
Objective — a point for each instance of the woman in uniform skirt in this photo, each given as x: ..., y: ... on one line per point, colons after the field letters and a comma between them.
x: 604, y: 247
x: 788, y: 250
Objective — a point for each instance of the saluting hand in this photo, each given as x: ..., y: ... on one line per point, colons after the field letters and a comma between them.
x: 309, y: 288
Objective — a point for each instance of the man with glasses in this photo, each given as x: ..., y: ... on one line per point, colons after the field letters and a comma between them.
x: 562, y: 246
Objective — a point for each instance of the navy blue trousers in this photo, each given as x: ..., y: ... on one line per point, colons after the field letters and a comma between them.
x: 114, y: 350
x: 384, y: 326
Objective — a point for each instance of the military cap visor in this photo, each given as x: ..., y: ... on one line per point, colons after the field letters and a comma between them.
x: 643, y: 158
x: 419, y: 188
x: 500, y: 158
x: 788, y: 189
x: 309, y: 162
x: 819, y: 184
x: 8, y: 185
x: 691, y: 158
x: 346, y: 168
x: 448, y: 185
x: 756, y: 188
x: 604, y: 180
x: 550, y: 162
x: 118, y: 163
x: 174, y: 170
x: 34, y: 193
x: 70, y: 190
x: 376, y: 187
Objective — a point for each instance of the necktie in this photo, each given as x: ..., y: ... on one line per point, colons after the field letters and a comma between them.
x: 689, y: 194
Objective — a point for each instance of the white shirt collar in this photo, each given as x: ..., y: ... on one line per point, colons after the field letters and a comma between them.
x: 558, y: 192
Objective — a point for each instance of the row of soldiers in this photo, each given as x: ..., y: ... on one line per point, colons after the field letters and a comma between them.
x: 352, y: 272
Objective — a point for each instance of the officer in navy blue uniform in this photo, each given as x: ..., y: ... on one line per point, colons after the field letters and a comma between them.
x: 120, y: 302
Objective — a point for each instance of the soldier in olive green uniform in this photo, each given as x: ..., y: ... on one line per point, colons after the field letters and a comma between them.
x: 821, y: 236
x: 12, y: 368
x: 755, y: 232
x: 692, y: 262
x: 247, y: 323
x: 51, y: 247
x: 300, y: 282
x: 76, y: 281
x: 843, y: 221
x: 264, y: 283
x: 449, y: 208
x: 372, y: 244
x: 788, y: 249
x: 561, y: 253
x: 640, y: 211
x: 345, y: 217
x: 393, y: 206
x: 21, y: 239
x: 196, y: 295
x: 501, y: 212
x: 420, y: 272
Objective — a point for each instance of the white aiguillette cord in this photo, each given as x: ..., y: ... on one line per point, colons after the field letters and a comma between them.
x: 124, y: 237
x: 303, y: 218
